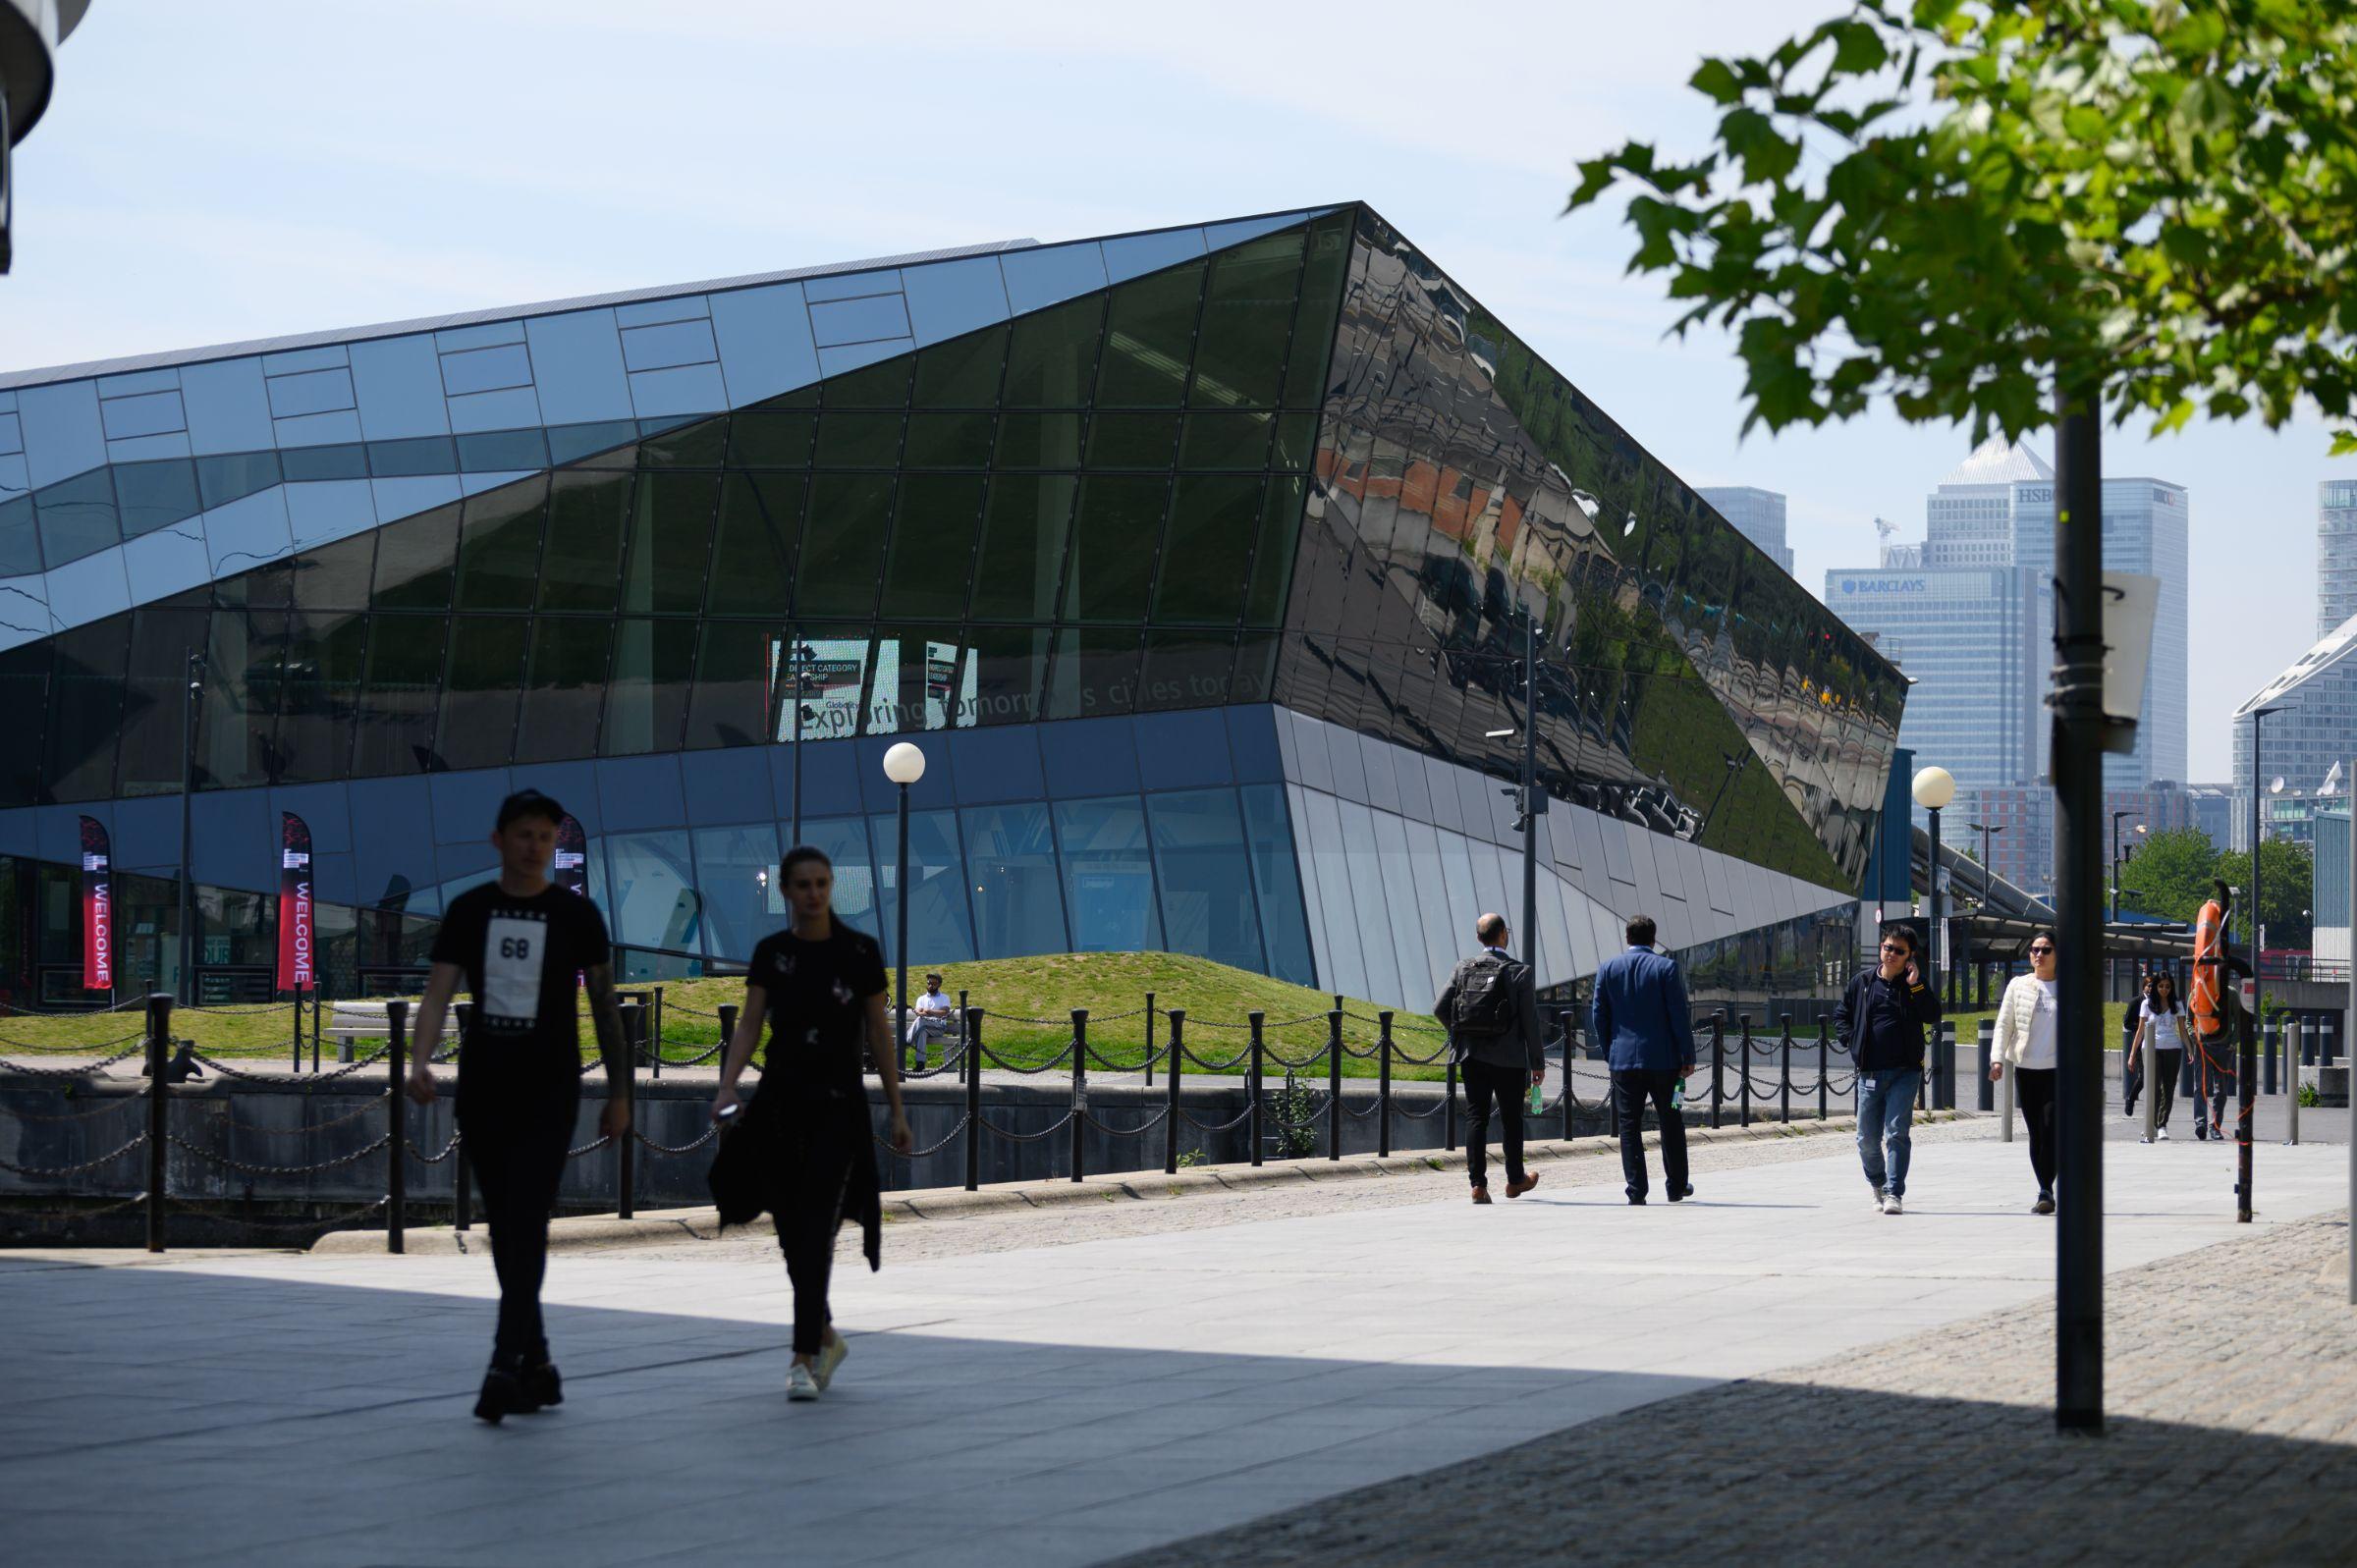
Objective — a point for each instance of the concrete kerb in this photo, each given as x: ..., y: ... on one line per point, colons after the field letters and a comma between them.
x: 943, y: 1203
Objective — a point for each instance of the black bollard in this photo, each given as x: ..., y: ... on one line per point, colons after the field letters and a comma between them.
x: 1717, y: 1064
x: 1743, y: 1059
x: 1825, y: 1060
x: 1333, y: 1083
x: 626, y: 1164
x: 397, y: 1049
x: 974, y: 1097
x: 462, y: 1175
x: 1080, y: 1092
x: 1570, y: 1049
x: 1252, y: 1085
x: 1784, y: 1089
x: 1170, y: 1114
x: 159, y: 1051
x: 1448, y: 1108
x: 1383, y: 1083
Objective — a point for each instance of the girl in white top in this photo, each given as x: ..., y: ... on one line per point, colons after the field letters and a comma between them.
x: 2162, y: 1023
x: 2026, y: 1021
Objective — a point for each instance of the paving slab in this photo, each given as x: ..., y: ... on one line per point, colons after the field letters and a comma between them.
x: 1049, y: 1399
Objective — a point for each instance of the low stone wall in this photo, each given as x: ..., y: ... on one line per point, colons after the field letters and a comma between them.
x: 285, y: 1151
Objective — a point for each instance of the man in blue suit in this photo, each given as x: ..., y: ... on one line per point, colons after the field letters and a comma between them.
x: 1640, y: 1014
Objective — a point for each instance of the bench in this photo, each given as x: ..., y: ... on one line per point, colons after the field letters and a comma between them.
x: 349, y: 1021
x: 948, y: 1027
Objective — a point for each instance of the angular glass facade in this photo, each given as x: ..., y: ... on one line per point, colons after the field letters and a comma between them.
x: 1110, y: 523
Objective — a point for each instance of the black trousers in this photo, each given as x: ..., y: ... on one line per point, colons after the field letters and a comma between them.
x: 1632, y: 1090
x: 2213, y: 1086
x: 1485, y: 1083
x: 813, y: 1174
x: 517, y: 1164
x: 2163, y: 1078
x: 2034, y: 1092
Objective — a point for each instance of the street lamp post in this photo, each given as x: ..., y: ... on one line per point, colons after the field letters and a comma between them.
x: 185, y: 987
x: 903, y: 765
x: 2110, y: 963
x: 1934, y: 789
x: 1980, y: 962
x: 2246, y: 1063
x: 1530, y: 801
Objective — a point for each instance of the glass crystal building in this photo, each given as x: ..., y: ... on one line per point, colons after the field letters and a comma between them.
x: 1198, y: 560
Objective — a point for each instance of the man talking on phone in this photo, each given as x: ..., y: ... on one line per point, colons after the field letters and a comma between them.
x: 516, y: 945
x: 1880, y: 1022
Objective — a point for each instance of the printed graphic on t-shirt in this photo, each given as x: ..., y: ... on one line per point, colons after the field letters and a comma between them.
x: 514, y: 948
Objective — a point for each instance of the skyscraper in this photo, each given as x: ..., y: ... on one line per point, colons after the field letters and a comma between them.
x: 1963, y: 635
x: 1758, y: 516
x: 1969, y: 520
x: 2335, y: 554
x: 2145, y: 529
x: 2314, y: 727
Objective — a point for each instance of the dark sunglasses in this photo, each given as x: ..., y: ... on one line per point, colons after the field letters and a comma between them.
x: 1897, y: 947
x: 2037, y: 947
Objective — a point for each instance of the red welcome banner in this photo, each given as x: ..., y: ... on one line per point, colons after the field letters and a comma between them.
x: 98, y: 908
x: 297, y: 950
x: 570, y: 867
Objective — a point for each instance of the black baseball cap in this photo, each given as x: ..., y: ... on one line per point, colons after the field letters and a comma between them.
x: 529, y: 803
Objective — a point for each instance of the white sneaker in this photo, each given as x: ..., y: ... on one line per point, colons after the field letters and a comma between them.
x: 2163, y: 1135
x: 1878, y: 1198
x: 830, y: 1356
x: 800, y: 1383
x: 1891, y: 1205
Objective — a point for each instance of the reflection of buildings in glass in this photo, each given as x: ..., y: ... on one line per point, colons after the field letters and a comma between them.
x: 1195, y: 559
x: 1758, y: 516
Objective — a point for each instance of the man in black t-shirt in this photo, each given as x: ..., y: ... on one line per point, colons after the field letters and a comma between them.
x: 517, y: 946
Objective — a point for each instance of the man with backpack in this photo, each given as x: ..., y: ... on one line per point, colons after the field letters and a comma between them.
x: 1491, y: 1010
x: 1640, y: 1016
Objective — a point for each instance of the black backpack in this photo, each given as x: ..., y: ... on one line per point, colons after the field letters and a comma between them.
x: 1485, y: 999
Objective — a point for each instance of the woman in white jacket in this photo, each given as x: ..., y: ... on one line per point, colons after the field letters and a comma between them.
x: 2026, y: 1021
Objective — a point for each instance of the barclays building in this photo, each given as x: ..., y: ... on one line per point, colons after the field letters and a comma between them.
x: 1198, y: 561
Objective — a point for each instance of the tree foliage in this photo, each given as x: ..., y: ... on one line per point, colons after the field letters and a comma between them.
x: 2155, y: 199
x: 2286, y: 892
x: 2171, y: 872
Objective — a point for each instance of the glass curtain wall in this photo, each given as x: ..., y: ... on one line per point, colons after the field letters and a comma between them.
x: 1465, y: 488
x: 1089, y: 510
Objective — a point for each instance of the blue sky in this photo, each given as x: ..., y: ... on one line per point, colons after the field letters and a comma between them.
x: 236, y: 170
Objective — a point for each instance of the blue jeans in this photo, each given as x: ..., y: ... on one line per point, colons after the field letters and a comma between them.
x: 1885, y: 1113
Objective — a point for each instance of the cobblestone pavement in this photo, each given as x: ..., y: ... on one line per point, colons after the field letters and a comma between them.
x: 2231, y: 1378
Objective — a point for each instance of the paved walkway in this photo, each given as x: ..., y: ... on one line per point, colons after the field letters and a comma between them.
x: 2231, y: 1438
x: 1041, y: 1404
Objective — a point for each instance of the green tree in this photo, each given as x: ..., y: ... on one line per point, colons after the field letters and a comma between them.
x: 2286, y: 891
x: 2152, y: 201
x: 2170, y: 874
x: 2012, y: 212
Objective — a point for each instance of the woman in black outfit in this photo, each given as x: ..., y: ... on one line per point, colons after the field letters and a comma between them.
x: 820, y: 988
